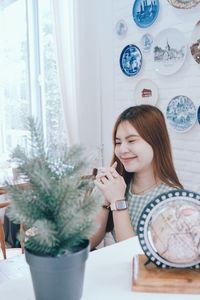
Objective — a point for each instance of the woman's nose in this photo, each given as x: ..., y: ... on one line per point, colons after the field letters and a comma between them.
x: 124, y: 147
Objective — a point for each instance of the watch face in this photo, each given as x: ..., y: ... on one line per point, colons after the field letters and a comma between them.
x: 121, y: 204
x: 169, y: 230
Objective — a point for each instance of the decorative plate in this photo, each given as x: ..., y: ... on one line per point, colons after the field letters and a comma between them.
x: 198, y: 114
x: 146, y: 42
x: 131, y: 60
x: 169, y: 51
x: 169, y: 230
x: 146, y: 92
x: 195, y: 43
x: 121, y: 28
x: 145, y: 12
x: 183, y: 3
x: 181, y: 113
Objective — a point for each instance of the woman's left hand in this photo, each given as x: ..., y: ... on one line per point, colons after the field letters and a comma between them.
x: 111, y: 184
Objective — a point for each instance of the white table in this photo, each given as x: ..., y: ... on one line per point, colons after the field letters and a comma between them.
x: 108, y: 276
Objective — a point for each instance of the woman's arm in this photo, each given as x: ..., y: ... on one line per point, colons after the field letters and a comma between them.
x: 122, y: 225
x: 101, y: 220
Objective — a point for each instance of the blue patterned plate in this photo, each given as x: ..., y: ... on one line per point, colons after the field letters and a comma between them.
x: 131, y: 60
x: 146, y: 42
x: 145, y: 12
x: 181, y: 113
x: 121, y: 28
x: 198, y: 115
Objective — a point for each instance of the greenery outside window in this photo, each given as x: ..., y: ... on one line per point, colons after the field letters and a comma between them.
x: 29, y: 82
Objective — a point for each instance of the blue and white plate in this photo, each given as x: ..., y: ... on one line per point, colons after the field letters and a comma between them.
x: 181, y: 113
x: 145, y: 12
x: 121, y: 28
x: 131, y: 60
x: 198, y: 115
x: 169, y: 51
x: 146, y: 42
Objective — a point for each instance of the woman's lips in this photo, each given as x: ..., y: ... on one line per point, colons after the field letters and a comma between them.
x: 128, y: 159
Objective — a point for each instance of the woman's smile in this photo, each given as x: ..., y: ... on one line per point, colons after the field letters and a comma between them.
x: 127, y: 159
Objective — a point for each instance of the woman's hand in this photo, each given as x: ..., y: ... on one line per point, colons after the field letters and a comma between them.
x: 111, y: 184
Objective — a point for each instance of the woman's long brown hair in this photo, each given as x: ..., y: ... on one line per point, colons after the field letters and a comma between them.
x: 151, y: 126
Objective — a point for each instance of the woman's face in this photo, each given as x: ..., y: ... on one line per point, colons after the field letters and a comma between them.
x: 135, y: 153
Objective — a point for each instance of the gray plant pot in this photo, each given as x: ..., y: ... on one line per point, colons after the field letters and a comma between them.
x: 58, y: 278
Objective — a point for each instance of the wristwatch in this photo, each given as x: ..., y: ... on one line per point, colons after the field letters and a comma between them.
x: 119, y: 205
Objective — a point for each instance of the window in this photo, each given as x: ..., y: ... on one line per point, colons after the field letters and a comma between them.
x: 29, y: 83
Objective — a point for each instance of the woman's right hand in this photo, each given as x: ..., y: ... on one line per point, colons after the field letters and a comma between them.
x: 111, y: 184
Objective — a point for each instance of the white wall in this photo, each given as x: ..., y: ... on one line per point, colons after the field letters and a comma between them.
x: 103, y: 81
x: 87, y: 73
x: 186, y: 146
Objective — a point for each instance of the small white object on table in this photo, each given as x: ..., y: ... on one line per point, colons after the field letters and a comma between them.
x: 108, y: 275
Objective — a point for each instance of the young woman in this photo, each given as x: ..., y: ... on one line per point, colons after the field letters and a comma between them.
x: 141, y: 169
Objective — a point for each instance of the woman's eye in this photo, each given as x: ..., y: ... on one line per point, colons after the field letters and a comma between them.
x: 117, y: 143
x: 131, y: 141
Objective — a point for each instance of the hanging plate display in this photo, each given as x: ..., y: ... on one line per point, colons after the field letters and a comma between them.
x: 169, y: 51
x: 146, y: 42
x: 145, y: 12
x: 195, y: 43
x: 169, y: 230
x: 198, y: 114
x: 184, y: 3
x: 146, y: 92
x: 181, y: 113
x: 121, y: 28
x: 131, y: 60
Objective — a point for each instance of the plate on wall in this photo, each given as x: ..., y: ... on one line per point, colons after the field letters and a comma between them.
x: 183, y: 3
x: 169, y: 51
x: 146, y: 42
x: 195, y: 42
x: 146, y: 92
x: 198, y: 114
x: 181, y: 113
x: 145, y: 12
x: 131, y: 60
x: 168, y: 230
x: 121, y: 28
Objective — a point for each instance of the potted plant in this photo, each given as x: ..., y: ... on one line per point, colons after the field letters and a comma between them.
x: 57, y: 211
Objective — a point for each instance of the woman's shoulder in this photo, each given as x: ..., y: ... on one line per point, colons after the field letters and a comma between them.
x: 161, y: 188
x: 165, y: 188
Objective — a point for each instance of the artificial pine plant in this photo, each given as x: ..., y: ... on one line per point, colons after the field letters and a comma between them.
x: 56, y: 209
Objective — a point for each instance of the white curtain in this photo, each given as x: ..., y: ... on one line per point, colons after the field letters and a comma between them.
x: 63, y: 11
x: 2, y: 35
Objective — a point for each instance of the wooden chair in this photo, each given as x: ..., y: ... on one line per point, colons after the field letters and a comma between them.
x: 12, y: 251
x: 94, y: 173
x: 2, y: 235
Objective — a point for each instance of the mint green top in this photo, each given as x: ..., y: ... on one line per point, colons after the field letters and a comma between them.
x: 136, y: 203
